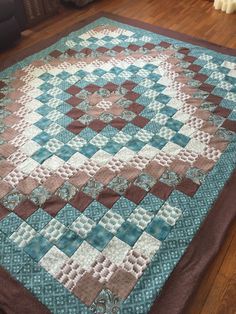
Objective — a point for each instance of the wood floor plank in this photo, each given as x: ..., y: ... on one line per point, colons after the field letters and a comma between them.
x: 221, y: 298
x: 207, y: 282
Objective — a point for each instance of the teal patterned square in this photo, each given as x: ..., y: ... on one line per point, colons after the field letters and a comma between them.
x: 151, y: 203
x: 65, y: 136
x: 169, y: 111
x: 37, y: 247
x: 87, y: 134
x: 67, y: 215
x: 180, y: 139
x: 64, y: 108
x: 109, y: 131
x: 124, y: 207
x: 64, y: 121
x: 95, y: 211
x: 43, y: 123
x: 88, y: 150
x: 135, y: 144
x: 65, y: 152
x: 99, y: 237
x: 10, y: 223
x: 158, y: 228
x: 112, y: 147
x: 174, y: 124
x: 42, y: 138
x: 162, y: 98
x: 69, y: 242
x: 39, y: 219
x: 41, y: 155
x: 129, y: 233
x: 12, y: 258
x: 44, y: 110
x: 158, y: 142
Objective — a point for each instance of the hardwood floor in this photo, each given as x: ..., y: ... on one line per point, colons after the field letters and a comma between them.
x: 217, y: 292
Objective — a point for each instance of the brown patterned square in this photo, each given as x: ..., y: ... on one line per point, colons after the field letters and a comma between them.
x: 180, y: 167
x: 11, y: 120
x: 118, y: 123
x: 188, y: 187
x: 86, y: 51
x: 53, y: 183
x: 202, y: 114
x: 27, y: 185
x: 3, y: 212
x: 7, y: 149
x: 102, y: 49
x: 164, y: 44
x: 184, y: 51
x: 75, y: 113
x: 207, y: 87
x: 2, y: 84
x: 209, y: 128
x: 53, y: 205
x: 200, y: 77
x: 108, y: 197
x: 140, y: 121
x: 218, y: 143
x: 13, y: 107
x: 87, y: 288
x: 216, y: 100
x: 154, y: 169
x: 97, y: 125
x: 75, y: 127
x: 149, y: 46
x: 230, y: 125
x: 118, y: 48
x: 4, y: 188
x: 121, y: 283
x: 204, y: 164
x: 132, y: 96
x: 223, y: 112
x: 129, y: 172
x: 25, y: 209
x: 74, y: 101
x: 115, y: 110
x: 73, y: 90
x: 161, y: 190
x: 71, y: 52
x: 92, y: 88
x: 111, y: 87
x: 81, y: 201
x: 135, y: 194
x: 55, y: 53
x: 133, y: 47
x: 104, y: 175
x: 5, y: 168
x: 189, y: 59
x: 194, y: 67
x: 79, y: 179
x: 129, y: 85
x: 136, y: 108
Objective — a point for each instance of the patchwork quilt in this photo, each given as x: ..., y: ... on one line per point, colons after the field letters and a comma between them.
x: 115, y: 143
